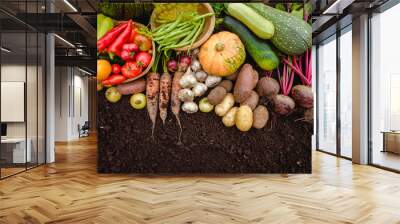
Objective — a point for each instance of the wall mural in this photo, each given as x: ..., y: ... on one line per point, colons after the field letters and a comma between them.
x: 204, y: 88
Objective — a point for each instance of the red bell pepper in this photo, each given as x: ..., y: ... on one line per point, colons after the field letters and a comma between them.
x: 113, y: 80
x: 116, y: 46
x: 109, y: 37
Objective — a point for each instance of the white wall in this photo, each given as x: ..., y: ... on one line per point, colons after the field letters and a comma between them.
x: 71, y: 93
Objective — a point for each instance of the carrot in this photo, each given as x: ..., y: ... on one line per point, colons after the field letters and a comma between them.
x: 152, y: 91
x: 165, y: 89
x: 175, y: 102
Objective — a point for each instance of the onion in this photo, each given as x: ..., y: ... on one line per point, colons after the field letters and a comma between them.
x: 172, y: 65
x: 185, y: 62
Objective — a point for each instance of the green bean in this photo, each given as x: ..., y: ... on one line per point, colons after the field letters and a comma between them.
x: 199, y: 30
x: 177, y: 32
x: 175, y: 38
x: 202, y: 16
x: 171, y: 27
x: 192, y: 33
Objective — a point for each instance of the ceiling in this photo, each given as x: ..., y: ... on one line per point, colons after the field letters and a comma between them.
x: 332, y: 15
x: 72, y: 20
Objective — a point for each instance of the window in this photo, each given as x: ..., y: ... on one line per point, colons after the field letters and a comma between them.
x: 385, y: 89
x: 327, y: 96
x: 346, y: 92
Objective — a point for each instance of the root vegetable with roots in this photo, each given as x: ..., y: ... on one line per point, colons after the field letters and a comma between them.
x: 283, y: 103
x: 302, y: 94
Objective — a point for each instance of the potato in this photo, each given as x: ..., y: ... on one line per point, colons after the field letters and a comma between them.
x: 227, y: 84
x: 216, y: 95
x: 229, y: 118
x: 252, y: 100
x: 244, y: 118
x: 267, y: 86
x: 260, y: 117
x: 245, y: 83
x: 226, y: 104
x: 233, y: 76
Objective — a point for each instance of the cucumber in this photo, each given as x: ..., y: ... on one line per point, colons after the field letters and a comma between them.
x: 259, y: 49
x: 259, y: 25
x: 292, y: 35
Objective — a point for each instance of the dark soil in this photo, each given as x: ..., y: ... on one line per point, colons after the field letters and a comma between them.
x: 126, y: 145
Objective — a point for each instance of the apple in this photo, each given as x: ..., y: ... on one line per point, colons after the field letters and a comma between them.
x: 113, y: 95
x: 138, y: 101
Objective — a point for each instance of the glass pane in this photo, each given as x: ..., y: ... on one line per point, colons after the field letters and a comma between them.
x: 385, y: 85
x: 346, y: 93
x: 32, y: 87
x: 41, y: 99
x: 31, y: 99
x: 13, y: 86
x: 327, y: 96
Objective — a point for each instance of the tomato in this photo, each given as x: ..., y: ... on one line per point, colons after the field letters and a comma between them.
x: 131, y: 69
x: 143, y: 42
x: 143, y: 59
x: 130, y: 47
x: 133, y: 34
x: 116, y: 68
x: 127, y: 55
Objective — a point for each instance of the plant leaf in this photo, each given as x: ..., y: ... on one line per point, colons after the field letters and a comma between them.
x: 280, y: 6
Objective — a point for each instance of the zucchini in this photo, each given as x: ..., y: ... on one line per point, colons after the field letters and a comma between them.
x: 259, y: 25
x: 292, y: 35
x: 259, y: 49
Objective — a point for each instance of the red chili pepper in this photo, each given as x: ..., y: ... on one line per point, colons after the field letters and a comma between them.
x: 109, y: 37
x: 116, y: 46
x: 113, y: 80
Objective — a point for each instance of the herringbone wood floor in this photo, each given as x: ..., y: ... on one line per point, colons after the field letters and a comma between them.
x: 70, y: 191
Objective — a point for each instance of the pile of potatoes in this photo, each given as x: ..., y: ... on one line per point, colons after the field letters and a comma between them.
x: 248, y: 113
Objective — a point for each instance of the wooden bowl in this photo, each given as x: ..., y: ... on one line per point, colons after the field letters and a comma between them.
x: 208, y: 29
x: 151, y: 62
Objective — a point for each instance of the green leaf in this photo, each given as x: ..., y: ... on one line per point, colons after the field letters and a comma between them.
x: 280, y: 6
x: 296, y: 6
x: 308, y: 8
x: 298, y: 13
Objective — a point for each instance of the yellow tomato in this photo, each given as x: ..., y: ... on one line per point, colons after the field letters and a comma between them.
x: 103, y: 69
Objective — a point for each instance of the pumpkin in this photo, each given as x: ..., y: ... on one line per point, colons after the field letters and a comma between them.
x: 222, y: 54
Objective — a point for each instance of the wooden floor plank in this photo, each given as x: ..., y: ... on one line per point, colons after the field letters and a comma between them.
x: 71, y: 191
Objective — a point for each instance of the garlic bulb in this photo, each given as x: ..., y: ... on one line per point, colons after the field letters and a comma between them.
x: 188, y: 80
x: 190, y: 107
x: 199, y: 89
x: 185, y: 95
x: 213, y: 81
x: 195, y: 65
x: 201, y: 76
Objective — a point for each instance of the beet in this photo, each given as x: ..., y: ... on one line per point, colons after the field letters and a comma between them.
x: 309, y: 115
x: 267, y: 86
x: 303, y: 96
x: 283, y: 105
